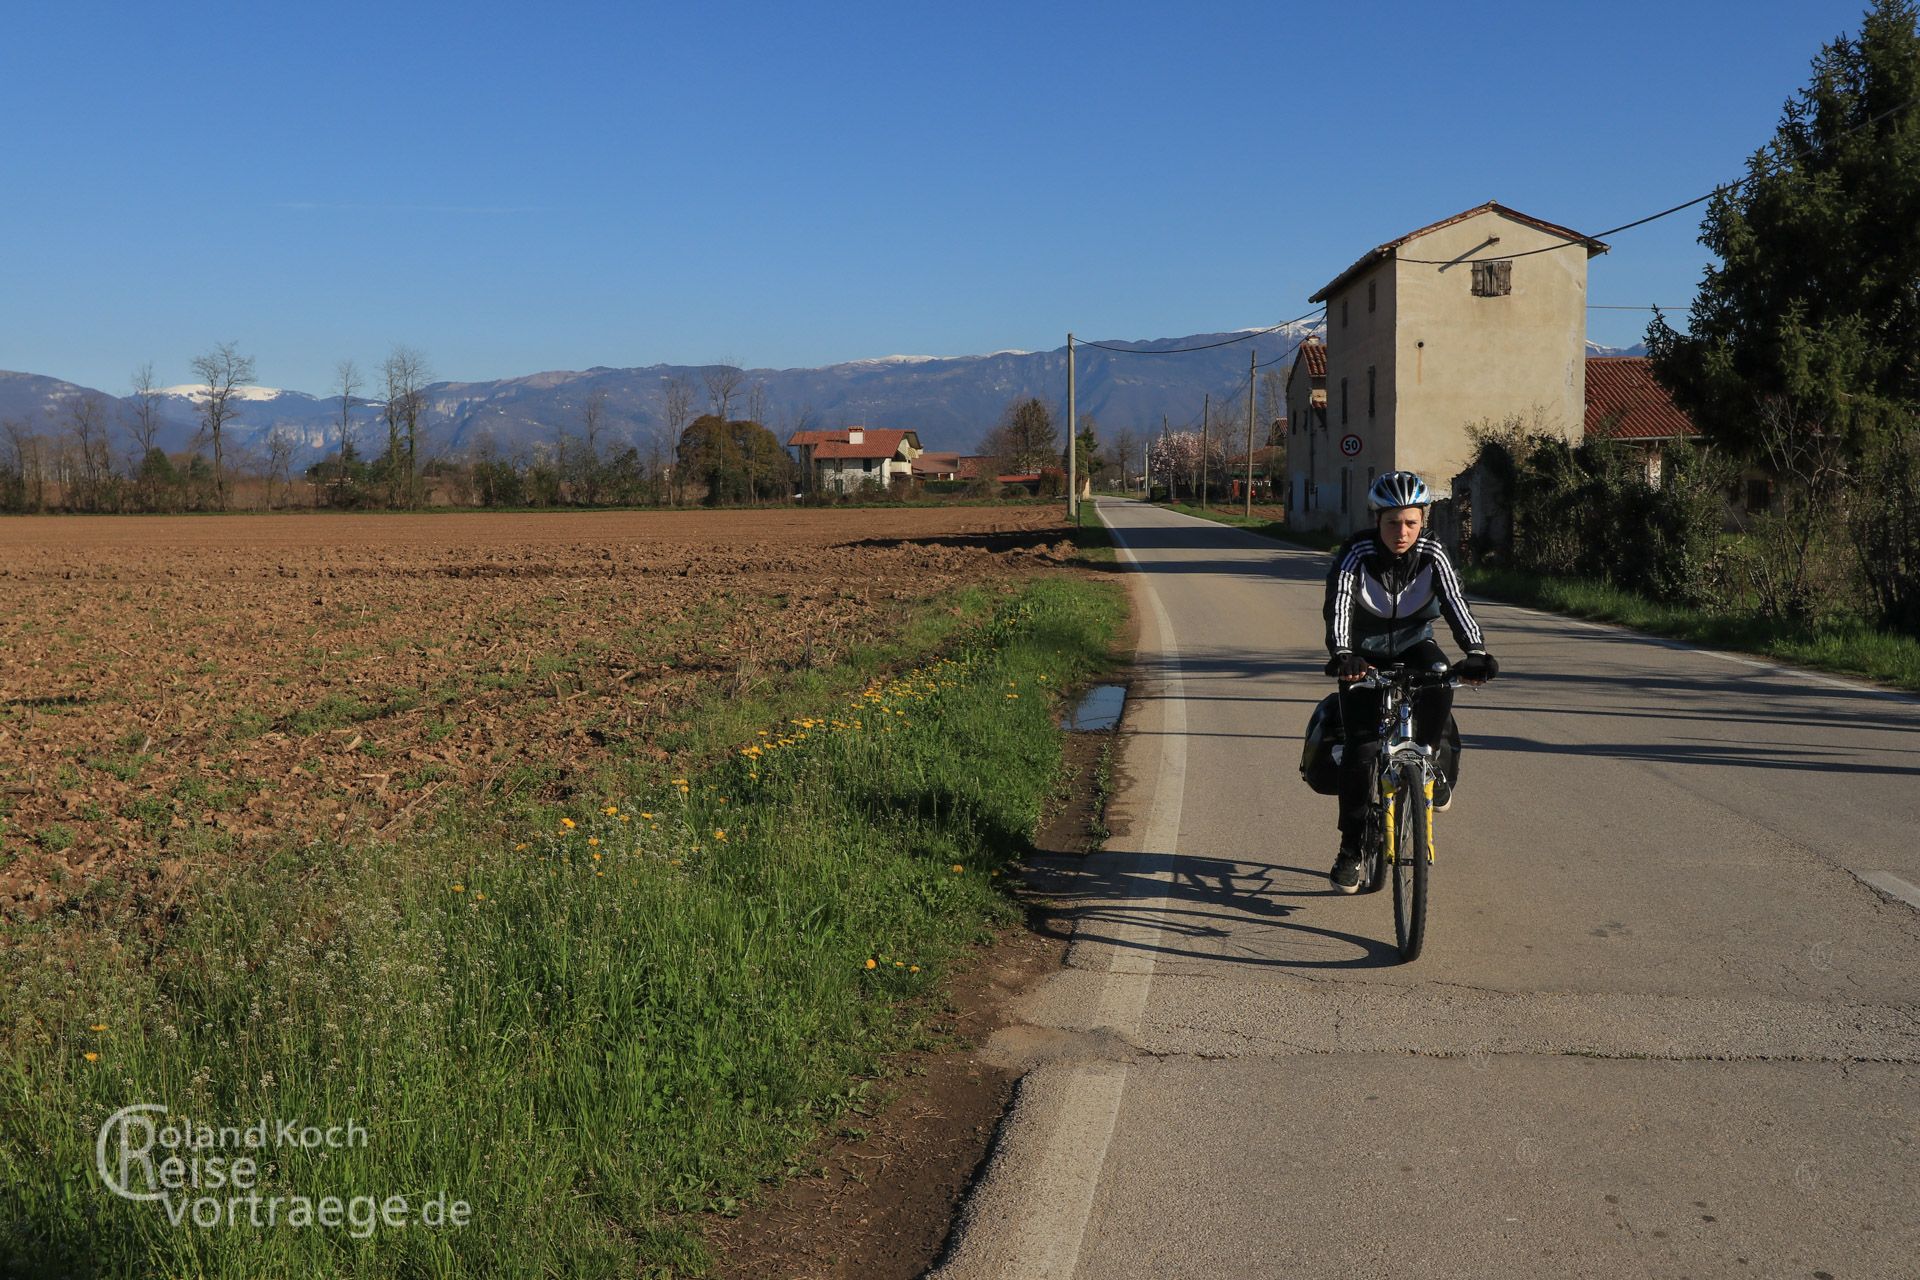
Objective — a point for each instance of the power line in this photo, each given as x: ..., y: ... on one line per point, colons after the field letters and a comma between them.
x: 1655, y: 217
x: 1205, y: 346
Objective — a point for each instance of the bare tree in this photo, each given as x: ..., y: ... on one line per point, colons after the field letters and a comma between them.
x: 25, y: 462
x: 144, y: 427
x: 346, y: 381
x: 757, y: 403
x: 1273, y: 406
x: 91, y: 464
x: 280, y: 443
x: 593, y: 417
x: 405, y: 374
x: 679, y: 412
x: 224, y: 371
x: 723, y: 383
x: 1124, y: 452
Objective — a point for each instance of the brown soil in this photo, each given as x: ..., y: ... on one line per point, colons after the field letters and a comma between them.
x: 175, y: 690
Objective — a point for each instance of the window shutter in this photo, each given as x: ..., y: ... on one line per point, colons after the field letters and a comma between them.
x: 1493, y: 279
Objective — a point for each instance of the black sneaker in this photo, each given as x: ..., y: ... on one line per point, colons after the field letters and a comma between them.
x: 1442, y: 793
x: 1346, y: 872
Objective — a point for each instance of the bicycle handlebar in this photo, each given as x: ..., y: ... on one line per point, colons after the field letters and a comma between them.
x: 1384, y: 676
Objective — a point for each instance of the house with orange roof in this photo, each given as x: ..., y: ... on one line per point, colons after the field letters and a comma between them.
x: 846, y: 459
x: 1626, y: 403
x: 1474, y: 318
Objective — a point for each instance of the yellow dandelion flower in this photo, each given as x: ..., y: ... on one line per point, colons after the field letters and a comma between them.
x: 676, y: 862
x: 596, y: 857
x: 679, y: 782
x: 611, y: 809
x: 957, y: 868
x: 623, y: 817
x: 872, y: 963
x: 718, y: 834
x: 899, y: 964
x: 99, y: 1026
x: 517, y: 848
x: 478, y: 895
x: 567, y: 823
x: 91, y: 1056
x: 913, y: 968
x: 459, y: 888
x: 647, y: 816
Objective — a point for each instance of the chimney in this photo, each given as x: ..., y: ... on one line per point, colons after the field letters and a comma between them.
x: 856, y: 435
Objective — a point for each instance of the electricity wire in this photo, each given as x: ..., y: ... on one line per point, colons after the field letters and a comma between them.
x: 1205, y: 346
x: 1655, y: 217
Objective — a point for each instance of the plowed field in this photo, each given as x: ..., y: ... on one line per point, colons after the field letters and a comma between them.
x: 177, y: 690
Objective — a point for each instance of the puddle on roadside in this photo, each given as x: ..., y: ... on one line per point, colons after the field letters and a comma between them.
x: 1099, y: 709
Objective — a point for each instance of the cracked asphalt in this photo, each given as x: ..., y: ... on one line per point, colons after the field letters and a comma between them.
x: 1665, y: 1024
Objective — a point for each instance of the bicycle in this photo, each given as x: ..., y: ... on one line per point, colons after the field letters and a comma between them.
x: 1398, y: 830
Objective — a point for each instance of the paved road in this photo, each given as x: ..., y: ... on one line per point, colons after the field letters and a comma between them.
x: 1664, y: 1025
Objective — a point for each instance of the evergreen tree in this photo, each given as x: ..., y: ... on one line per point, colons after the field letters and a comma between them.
x: 1803, y: 339
x: 1816, y: 295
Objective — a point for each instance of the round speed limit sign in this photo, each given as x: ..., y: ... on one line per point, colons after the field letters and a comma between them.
x: 1350, y: 445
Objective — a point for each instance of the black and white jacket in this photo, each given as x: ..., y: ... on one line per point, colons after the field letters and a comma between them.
x: 1380, y: 605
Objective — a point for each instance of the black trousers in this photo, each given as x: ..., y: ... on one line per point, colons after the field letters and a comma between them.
x: 1360, y: 716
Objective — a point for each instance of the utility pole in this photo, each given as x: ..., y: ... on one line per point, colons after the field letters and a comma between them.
x: 1253, y: 365
x: 1073, y: 440
x: 1206, y: 425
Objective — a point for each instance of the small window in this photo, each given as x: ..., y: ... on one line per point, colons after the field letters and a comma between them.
x: 1371, y: 286
x: 1343, y: 402
x: 1493, y: 279
x: 1370, y: 398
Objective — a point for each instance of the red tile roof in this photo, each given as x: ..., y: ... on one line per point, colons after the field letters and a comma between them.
x: 1315, y: 354
x: 1373, y: 255
x: 1625, y: 402
x: 876, y: 442
x: 961, y: 466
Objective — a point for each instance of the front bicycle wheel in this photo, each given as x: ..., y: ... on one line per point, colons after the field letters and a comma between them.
x: 1413, y: 851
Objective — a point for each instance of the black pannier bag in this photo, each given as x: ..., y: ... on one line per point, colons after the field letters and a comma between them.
x: 1325, y: 743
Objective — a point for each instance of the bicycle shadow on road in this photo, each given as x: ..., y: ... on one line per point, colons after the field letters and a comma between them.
x: 1188, y: 907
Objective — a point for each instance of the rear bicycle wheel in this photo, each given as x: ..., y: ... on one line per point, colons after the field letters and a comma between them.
x: 1412, y: 849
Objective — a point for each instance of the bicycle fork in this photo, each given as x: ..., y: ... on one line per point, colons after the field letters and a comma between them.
x: 1390, y: 812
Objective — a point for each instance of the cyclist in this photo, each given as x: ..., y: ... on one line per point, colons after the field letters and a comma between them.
x: 1387, y: 585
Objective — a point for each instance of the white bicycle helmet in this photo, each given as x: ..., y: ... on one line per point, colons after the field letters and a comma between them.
x: 1398, y: 489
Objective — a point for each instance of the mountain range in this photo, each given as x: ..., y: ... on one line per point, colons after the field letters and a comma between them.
x: 951, y: 401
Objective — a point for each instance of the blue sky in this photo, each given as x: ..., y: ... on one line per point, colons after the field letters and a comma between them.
x: 512, y: 188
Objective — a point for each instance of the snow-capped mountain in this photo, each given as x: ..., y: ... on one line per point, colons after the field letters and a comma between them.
x: 950, y: 400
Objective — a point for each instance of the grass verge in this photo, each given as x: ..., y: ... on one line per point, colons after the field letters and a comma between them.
x: 1850, y: 648
x: 637, y: 1011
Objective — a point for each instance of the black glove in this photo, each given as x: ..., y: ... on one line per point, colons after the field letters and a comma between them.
x: 1477, y: 667
x: 1348, y: 666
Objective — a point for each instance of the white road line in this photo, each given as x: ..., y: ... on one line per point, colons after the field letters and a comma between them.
x: 1076, y: 1150
x: 1887, y: 882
